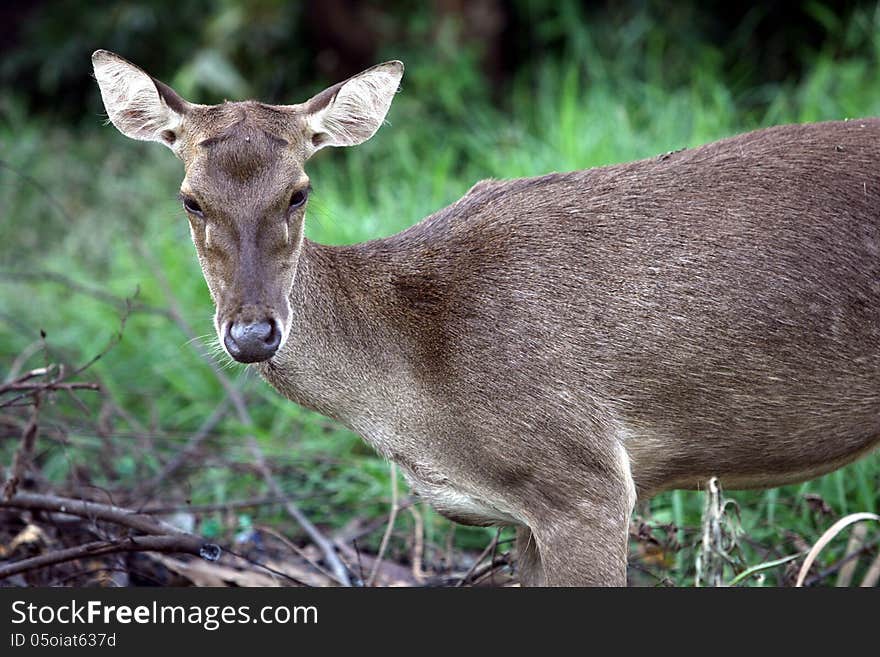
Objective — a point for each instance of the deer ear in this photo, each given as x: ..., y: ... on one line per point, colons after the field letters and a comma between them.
x: 139, y: 106
x: 351, y: 112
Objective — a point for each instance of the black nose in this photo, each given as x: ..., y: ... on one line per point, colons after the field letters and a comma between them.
x: 252, y: 342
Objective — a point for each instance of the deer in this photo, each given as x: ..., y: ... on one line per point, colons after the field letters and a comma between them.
x: 546, y: 351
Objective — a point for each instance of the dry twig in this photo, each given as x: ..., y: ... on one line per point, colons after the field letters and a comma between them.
x: 827, y: 537
x: 853, y: 547
x: 160, y: 536
x: 93, y: 511
x: 392, y: 517
x: 418, y: 550
x: 175, y: 543
x: 872, y: 576
x: 24, y: 452
x: 719, y: 537
x: 490, y: 549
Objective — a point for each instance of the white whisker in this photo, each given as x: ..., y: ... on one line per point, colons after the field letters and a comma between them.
x: 204, y: 339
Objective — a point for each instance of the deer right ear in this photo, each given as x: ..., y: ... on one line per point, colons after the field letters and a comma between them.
x: 139, y: 106
x: 351, y: 112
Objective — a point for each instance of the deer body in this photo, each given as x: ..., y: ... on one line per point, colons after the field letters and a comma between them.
x: 544, y: 350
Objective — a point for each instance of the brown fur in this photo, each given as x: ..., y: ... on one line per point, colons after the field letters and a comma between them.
x: 544, y: 348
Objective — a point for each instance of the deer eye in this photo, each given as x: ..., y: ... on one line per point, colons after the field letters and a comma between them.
x: 298, y: 198
x: 191, y: 206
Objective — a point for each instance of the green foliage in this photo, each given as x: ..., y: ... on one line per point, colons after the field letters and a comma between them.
x: 101, y: 210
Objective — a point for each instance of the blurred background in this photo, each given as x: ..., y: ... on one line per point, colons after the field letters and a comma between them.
x: 95, y: 246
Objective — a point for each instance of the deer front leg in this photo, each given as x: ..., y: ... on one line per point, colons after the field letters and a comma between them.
x: 584, y: 552
x: 583, y: 542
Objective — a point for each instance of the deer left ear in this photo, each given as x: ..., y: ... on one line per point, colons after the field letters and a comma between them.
x: 351, y: 112
x: 139, y: 106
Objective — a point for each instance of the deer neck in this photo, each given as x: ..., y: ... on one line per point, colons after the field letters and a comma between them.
x: 343, y: 357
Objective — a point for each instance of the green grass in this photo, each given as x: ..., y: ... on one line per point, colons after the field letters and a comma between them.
x: 83, y: 200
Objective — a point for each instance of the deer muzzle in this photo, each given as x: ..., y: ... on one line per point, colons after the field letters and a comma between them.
x: 252, y: 342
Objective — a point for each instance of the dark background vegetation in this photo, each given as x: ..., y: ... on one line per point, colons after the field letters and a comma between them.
x: 91, y: 233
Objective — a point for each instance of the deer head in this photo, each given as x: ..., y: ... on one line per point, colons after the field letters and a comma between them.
x: 245, y: 189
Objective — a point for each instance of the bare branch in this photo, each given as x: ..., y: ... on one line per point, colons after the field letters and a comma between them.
x: 855, y: 544
x: 297, y: 550
x: 872, y: 576
x: 866, y: 548
x: 490, y: 549
x: 41, y: 386
x: 176, y: 543
x: 418, y: 550
x: 24, y: 452
x: 93, y: 511
x: 827, y: 537
x: 392, y: 517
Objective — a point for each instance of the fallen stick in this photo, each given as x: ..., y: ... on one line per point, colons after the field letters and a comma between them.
x: 25, y: 450
x: 826, y: 538
x: 392, y: 516
x: 176, y: 543
x: 95, y: 511
x: 490, y: 549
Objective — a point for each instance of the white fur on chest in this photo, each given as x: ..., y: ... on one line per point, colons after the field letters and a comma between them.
x: 460, y: 502
x: 457, y: 503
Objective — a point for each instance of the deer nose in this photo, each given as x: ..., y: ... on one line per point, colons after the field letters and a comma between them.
x: 252, y: 342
